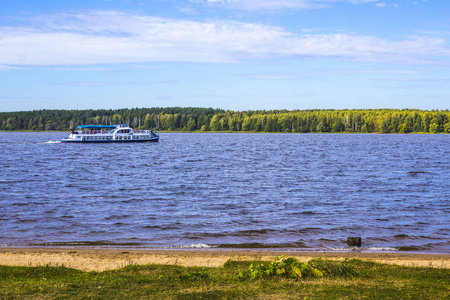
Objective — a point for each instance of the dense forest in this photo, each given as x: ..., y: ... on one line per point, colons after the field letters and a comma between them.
x: 208, y: 119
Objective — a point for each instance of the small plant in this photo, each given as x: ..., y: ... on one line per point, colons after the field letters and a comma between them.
x: 292, y: 268
x: 333, y: 268
x: 193, y: 274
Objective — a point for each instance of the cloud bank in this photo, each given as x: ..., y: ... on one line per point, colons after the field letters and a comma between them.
x: 109, y: 37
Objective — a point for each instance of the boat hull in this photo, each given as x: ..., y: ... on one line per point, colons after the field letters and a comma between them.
x: 73, y: 141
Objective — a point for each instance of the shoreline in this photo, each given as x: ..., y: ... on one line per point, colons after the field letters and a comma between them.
x: 262, y: 132
x: 89, y: 259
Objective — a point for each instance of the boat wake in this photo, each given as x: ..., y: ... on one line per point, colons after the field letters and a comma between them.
x: 53, y: 142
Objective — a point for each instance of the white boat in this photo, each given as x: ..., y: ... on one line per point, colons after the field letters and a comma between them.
x: 120, y: 133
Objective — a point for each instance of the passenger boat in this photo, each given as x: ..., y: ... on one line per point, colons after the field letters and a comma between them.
x: 120, y: 133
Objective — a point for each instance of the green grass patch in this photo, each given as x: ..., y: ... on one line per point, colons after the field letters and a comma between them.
x: 283, y: 278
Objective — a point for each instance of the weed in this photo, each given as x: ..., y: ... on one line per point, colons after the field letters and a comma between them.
x: 292, y: 268
x: 193, y: 274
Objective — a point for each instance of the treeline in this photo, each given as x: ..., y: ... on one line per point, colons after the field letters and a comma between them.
x: 208, y: 119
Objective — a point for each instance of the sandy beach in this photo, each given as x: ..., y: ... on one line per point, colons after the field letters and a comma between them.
x: 109, y: 259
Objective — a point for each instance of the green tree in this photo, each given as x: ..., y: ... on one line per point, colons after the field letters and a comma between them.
x: 434, y: 128
x: 447, y: 127
x: 215, y: 123
x: 191, y: 126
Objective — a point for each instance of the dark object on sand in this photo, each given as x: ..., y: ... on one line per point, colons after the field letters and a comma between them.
x: 354, y: 241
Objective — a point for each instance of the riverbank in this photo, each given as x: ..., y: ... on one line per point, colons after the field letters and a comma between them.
x: 216, y: 274
x: 111, y: 259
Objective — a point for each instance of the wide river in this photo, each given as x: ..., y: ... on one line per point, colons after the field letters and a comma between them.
x: 302, y: 192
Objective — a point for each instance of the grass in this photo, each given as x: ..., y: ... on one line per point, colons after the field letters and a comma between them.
x: 358, y: 280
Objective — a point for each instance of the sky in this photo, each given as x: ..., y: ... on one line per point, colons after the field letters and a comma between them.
x: 229, y: 54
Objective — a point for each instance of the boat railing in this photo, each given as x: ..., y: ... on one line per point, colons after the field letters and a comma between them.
x: 93, y: 131
x: 146, y: 131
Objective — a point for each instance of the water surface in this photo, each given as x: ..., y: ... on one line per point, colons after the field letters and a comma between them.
x: 285, y: 191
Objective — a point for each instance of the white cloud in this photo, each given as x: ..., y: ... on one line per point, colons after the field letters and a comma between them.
x: 262, y: 4
x: 96, y: 69
x: 383, y: 4
x: 9, y: 68
x: 88, y: 84
x: 100, y: 37
x: 276, y: 4
x: 302, y: 75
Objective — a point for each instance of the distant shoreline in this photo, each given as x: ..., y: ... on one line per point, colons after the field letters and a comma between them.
x: 108, y: 259
x: 259, y: 132
x: 193, y: 119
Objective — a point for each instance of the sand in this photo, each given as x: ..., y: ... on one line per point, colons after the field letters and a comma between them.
x: 109, y: 259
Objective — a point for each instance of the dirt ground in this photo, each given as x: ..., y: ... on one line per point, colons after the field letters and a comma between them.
x: 109, y: 259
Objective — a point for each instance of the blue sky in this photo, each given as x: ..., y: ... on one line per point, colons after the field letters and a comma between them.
x: 230, y: 54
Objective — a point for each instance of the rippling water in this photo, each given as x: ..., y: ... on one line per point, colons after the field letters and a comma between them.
x: 289, y: 191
